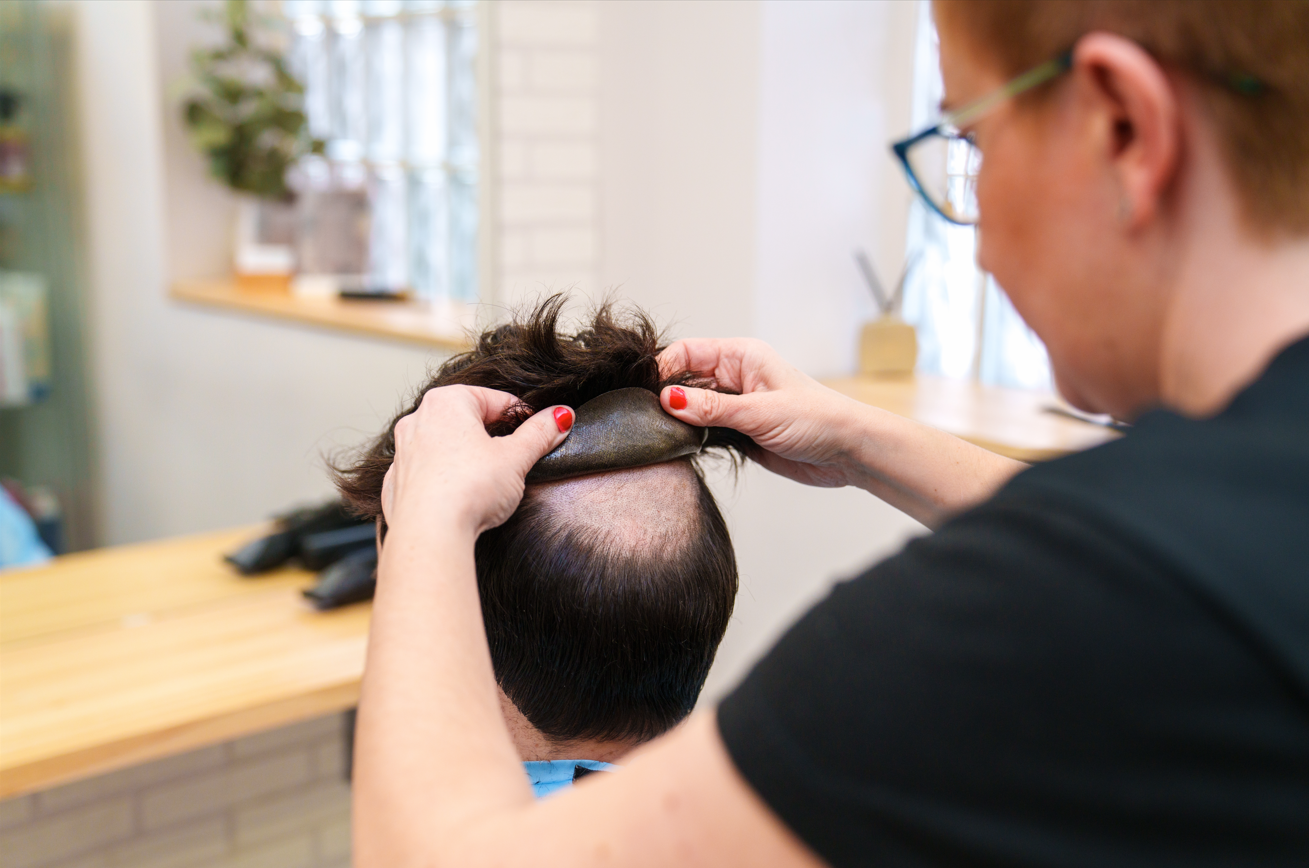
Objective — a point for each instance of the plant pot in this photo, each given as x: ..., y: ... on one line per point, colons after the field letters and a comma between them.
x: 263, y: 255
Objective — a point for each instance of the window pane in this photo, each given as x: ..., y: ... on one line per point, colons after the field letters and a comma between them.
x: 463, y: 236
x: 391, y: 86
x: 310, y: 60
x: 349, y: 124
x: 462, y: 44
x: 388, y: 248
x: 301, y: 8
x: 427, y: 91
x: 429, y: 232
x: 382, y: 7
x: 966, y: 325
x: 386, y: 63
x: 342, y: 8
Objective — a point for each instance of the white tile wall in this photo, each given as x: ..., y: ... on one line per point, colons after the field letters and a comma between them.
x: 546, y: 107
x: 276, y: 799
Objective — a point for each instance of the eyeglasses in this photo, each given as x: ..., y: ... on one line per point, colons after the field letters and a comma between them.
x: 941, y: 162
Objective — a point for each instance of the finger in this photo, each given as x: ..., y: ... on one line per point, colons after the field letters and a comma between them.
x: 388, y: 491
x: 673, y: 361
x: 536, y: 437
x: 494, y: 404
x: 707, y: 408
x: 489, y: 405
x: 720, y: 358
x: 697, y: 355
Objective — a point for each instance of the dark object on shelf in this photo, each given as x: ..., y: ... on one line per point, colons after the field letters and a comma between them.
x: 286, y: 542
x: 321, y: 550
x: 366, y: 294
x: 15, y: 151
x: 9, y: 102
x: 352, y: 579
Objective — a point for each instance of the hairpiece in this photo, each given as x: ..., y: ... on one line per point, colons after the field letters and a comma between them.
x: 617, y: 430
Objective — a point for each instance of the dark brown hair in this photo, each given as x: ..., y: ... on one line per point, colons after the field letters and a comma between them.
x: 589, y: 638
x: 1251, y: 57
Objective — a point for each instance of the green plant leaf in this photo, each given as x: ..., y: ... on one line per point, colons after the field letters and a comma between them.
x: 245, y: 113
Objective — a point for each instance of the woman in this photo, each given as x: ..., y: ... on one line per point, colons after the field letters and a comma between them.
x: 1104, y: 659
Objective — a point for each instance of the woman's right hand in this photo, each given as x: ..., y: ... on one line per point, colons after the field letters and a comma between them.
x: 807, y: 432
x: 817, y: 436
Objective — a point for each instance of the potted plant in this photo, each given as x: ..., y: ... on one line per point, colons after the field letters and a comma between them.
x: 245, y: 113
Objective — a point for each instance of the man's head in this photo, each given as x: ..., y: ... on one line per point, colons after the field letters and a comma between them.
x: 604, y: 596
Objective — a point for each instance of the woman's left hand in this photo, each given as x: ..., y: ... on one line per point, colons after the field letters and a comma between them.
x: 448, y: 469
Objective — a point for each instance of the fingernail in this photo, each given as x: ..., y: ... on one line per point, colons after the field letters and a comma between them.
x: 563, y: 418
x: 677, y: 398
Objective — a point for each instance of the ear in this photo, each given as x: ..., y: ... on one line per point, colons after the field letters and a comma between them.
x: 1143, y: 144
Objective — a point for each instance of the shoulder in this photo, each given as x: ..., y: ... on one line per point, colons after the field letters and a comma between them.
x: 1095, y: 628
x: 1218, y: 507
x: 1203, y: 483
x: 1024, y: 659
x: 1166, y: 460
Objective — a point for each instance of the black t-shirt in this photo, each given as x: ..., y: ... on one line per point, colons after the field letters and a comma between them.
x: 1105, y: 664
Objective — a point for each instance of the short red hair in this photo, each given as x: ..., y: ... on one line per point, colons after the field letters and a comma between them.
x: 1264, y: 135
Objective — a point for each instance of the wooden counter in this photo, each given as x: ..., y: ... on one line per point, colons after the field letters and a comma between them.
x: 123, y: 655
x: 1012, y: 422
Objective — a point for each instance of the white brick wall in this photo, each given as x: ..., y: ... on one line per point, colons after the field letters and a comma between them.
x: 546, y: 103
x: 276, y: 799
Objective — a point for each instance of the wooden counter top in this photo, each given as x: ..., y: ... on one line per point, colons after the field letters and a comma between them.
x: 1011, y: 422
x: 118, y: 656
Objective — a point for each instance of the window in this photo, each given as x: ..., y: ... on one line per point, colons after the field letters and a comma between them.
x: 966, y: 325
x: 391, y: 87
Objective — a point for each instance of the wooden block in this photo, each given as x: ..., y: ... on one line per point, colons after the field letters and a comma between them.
x: 887, y: 346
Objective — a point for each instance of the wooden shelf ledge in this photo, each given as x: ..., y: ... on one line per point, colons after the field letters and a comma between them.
x: 441, y: 326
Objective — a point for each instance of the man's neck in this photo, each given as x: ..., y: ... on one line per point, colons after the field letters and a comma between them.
x: 533, y: 746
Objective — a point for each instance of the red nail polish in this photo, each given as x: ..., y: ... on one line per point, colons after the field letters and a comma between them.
x: 677, y: 398
x: 563, y: 418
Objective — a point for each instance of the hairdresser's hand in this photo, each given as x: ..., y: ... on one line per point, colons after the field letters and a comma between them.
x: 807, y: 431
x: 448, y: 469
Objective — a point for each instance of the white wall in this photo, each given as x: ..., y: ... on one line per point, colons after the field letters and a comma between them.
x: 743, y: 158
x: 835, y: 87
x: 545, y: 142
x: 678, y: 126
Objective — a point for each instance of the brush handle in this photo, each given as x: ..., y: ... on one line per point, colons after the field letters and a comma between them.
x: 870, y: 277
